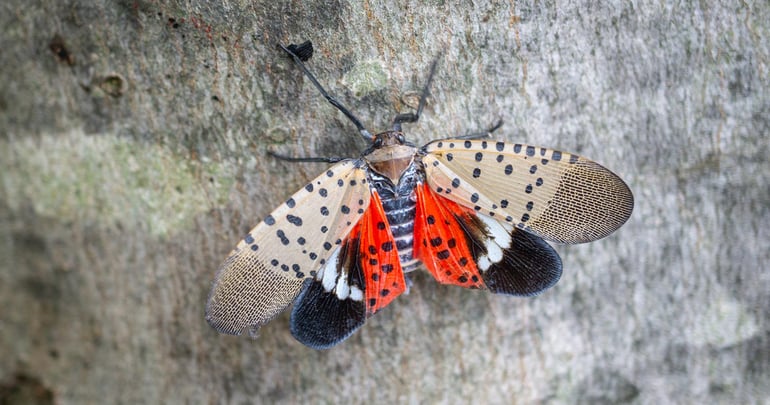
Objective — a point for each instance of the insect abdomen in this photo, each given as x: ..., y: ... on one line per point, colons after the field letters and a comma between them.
x: 399, y: 211
x: 399, y: 204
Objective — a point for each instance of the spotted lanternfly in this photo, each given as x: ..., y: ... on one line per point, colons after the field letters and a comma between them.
x: 476, y: 213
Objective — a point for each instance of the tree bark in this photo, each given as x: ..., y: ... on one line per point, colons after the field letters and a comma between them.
x: 133, y: 156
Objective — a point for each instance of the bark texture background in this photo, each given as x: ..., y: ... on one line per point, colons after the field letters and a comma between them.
x: 133, y: 158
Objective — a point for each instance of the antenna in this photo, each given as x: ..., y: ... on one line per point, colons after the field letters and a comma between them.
x: 306, y: 49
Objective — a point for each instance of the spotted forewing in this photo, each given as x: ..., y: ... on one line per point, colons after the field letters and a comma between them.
x: 266, y: 271
x: 558, y: 196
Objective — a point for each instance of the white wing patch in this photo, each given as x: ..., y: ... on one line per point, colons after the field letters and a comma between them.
x: 556, y: 195
x: 328, y: 274
x: 499, y: 240
x: 266, y: 271
x: 336, y: 282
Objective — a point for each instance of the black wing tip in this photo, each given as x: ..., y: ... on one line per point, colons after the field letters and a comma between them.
x: 529, y: 267
x: 320, y: 320
x: 314, y: 340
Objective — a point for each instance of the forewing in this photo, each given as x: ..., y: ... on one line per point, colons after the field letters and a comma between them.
x: 556, y: 195
x: 362, y: 276
x: 266, y: 270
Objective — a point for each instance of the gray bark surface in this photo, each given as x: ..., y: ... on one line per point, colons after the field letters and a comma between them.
x: 133, y: 140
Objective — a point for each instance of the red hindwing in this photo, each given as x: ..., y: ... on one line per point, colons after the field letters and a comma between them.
x: 383, y: 276
x: 440, y: 242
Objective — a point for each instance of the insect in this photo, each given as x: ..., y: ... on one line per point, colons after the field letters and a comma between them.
x: 474, y: 212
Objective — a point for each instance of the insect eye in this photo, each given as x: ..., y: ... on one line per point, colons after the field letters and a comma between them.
x: 400, y: 138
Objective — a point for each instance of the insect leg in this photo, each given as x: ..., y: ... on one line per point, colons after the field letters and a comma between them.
x: 306, y: 159
x: 413, y: 117
x: 480, y: 135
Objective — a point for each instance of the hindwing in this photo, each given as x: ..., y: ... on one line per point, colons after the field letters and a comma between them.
x: 361, y: 277
x: 461, y: 247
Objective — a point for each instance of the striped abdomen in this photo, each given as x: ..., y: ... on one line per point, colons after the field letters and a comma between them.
x: 398, y: 202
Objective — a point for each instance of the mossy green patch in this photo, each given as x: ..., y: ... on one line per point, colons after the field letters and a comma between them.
x: 77, y: 177
x: 366, y: 77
